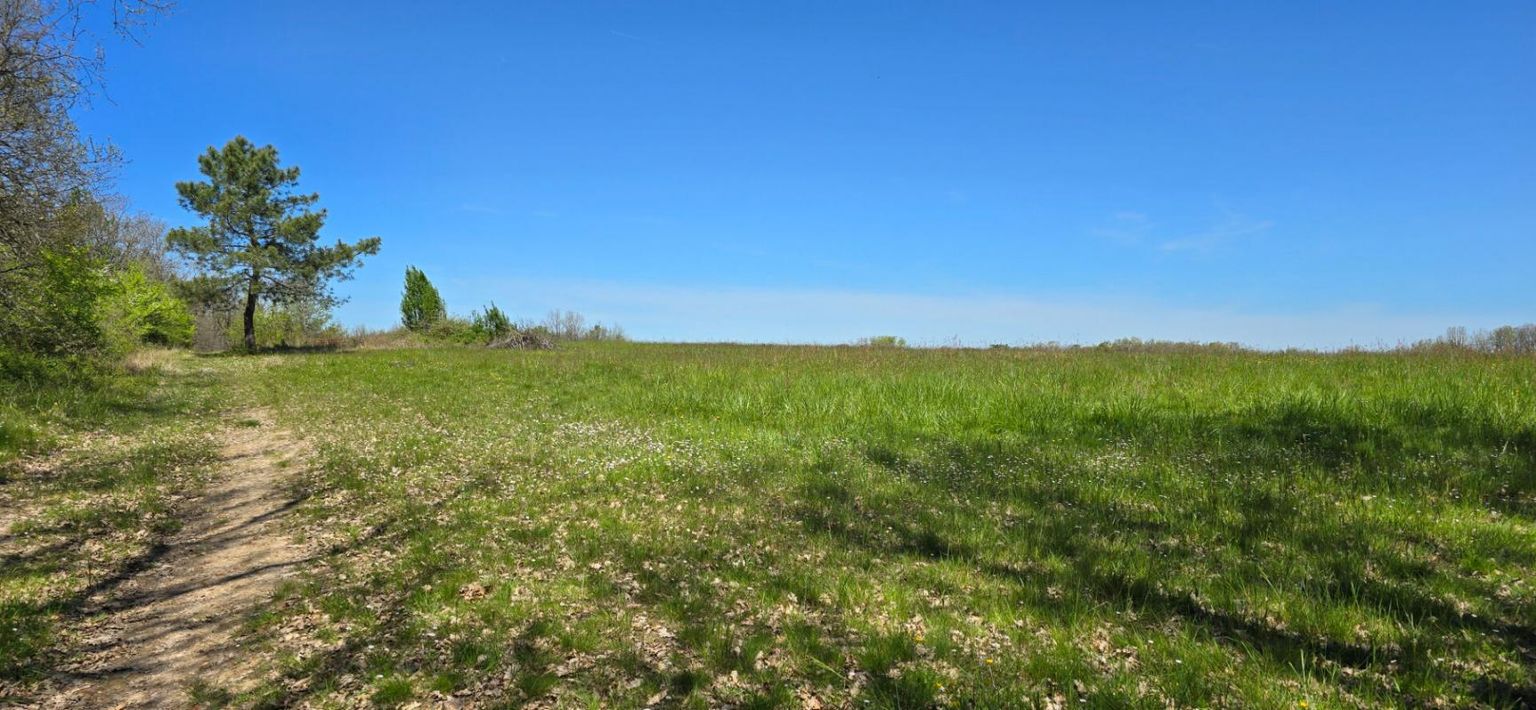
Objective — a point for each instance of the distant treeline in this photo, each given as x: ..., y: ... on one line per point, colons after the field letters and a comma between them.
x: 1504, y: 340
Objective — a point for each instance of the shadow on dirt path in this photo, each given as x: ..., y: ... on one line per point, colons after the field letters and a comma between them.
x: 175, y: 620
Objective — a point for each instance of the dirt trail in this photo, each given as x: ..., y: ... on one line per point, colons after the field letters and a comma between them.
x: 178, y: 621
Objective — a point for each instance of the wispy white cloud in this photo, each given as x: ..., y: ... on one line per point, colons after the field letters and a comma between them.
x: 628, y: 36
x: 1229, y: 229
x: 1132, y: 228
x: 1125, y: 227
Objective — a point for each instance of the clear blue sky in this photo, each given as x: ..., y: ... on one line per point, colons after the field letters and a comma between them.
x: 1313, y: 174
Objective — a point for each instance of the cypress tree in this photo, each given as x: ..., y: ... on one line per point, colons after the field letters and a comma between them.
x: 421, y: 305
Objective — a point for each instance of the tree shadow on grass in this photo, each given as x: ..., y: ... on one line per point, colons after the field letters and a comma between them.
x: 1371, y: 447
x: 275, y: 350
x: 881, y: 526
x: 58, y: 547
x: 391, y: 642
x: 1378, y: 442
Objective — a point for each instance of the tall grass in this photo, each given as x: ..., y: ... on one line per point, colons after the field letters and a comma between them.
x: 633, y: 524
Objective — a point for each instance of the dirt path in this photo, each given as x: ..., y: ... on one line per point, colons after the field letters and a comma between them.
x: 178, y: 621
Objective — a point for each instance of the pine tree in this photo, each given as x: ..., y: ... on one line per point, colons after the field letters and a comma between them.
x: 261, y: 236
x: 421, y: 305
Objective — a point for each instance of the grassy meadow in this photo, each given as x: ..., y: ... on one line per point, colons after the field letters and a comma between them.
x: 629, y: 525
x: 702, y: 525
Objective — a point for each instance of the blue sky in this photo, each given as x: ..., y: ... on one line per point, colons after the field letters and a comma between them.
x: 1310, y: 174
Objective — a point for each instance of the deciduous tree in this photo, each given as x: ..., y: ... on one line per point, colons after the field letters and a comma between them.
x: 51, y: 176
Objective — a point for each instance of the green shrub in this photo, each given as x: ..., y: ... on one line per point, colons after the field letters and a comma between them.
x: 481, y: 328
x: 451, y: 329
x: 491, y: 324
x: 299, y: 324
x: 136, y: 310
x: 49, y: 307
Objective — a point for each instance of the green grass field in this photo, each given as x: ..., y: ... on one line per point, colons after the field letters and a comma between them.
x: 628, y: 524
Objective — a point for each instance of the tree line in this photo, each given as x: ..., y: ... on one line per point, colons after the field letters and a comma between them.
x: 80, y: 273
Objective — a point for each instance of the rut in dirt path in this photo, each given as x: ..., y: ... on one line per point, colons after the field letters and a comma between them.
x: 177, y: 622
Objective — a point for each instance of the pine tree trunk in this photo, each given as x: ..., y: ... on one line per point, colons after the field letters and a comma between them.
x: 250, y: 314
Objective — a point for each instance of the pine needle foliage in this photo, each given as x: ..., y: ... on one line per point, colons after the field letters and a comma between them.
x: 262, y: 237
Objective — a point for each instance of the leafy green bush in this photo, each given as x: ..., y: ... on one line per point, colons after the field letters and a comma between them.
x: 299, y: 324
x: 48, y: 307
x: 481, y: 328
x: 136, y: 309
x: 451, y: 329
x: 491, y: 324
